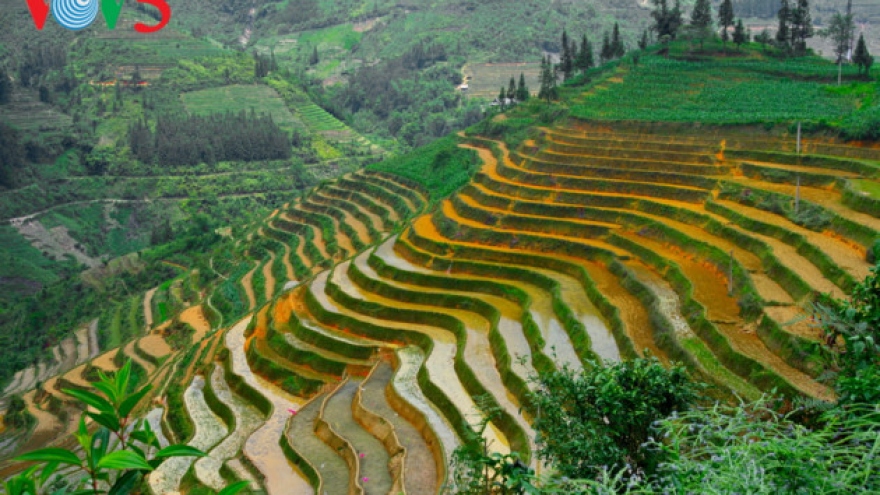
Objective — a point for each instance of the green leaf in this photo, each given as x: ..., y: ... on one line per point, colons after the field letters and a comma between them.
x: 47, y: 472
x: 125, y: 484
x: 109, y: 389
x: 107, y: 420
x: 90, y: 398
x: 132, y: 400
x: 234, y: 488
x: 179, y: 451
x: 124, y: 459
x: 100, y: 443
x: 51, y: 455
x: 121, y: 380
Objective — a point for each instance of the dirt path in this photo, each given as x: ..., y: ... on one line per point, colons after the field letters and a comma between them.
x: 94, y: 349
x: 262, y: 447
x: 440, y: 364
x: 131, y: 354
x: 194, y: 316
x: 105, y: 361
x: 247, y: 283
x: 269, y: 277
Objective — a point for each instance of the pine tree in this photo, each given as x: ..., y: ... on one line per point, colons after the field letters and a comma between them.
x: 701, y: 17
x: 783, y: 33
x: 585, y: 55
x: 566, y: 64
x: 725, y: 18
x: 542, y: 92
x: 5, y: 88
x: 801, y: 26
x: 522, y: 91
x: 511, y: 89
x: 862, y: 58
x: 606, y: 54
x: 643, y: 43
x: 666, y: 21
x: 617, y: 48
x: 739, y: 34
x: 501, y: 97
x: 313, y: 60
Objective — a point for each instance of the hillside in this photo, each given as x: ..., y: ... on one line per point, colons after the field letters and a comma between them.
x: 654, y: 209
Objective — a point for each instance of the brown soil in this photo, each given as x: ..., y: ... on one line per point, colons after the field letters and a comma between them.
x: 842, y: 254
x: 105, y: 361
x: 131, y: 354
x: 247, y: 283
x: 155, y: 345
x: 379, y: 182
x: 318, y: 239
x: 710, y: 290
x: 769, y: 290
x: 195, y: 317
x: 48, y: 427
x: 795, y: 320
x: 270, y: 279
x: 148, y: 307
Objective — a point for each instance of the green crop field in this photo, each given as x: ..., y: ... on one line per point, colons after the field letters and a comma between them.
x: 237, y: 98
x: 662, y: 89
x: 484, y: 80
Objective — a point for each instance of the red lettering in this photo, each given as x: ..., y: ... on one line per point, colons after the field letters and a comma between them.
x: 39, y: 11
x: 164, y: 11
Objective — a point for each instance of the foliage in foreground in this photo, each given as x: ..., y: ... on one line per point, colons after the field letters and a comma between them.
x: 115, y: 457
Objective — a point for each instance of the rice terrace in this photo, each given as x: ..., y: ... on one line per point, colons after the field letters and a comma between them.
x: 695, y: 229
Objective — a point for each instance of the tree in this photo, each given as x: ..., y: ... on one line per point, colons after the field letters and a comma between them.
x: 584, y: 58
x: 666, y: 20
x: 607, y: 52
x: 5, y: 88
x: 764, y: 37
x: 701, y: 16
x: 12, y: 155
x: 841, y: 30
x: 862, y: 58
x: 740, y: 35
x: 522, y: 91
x: 801, y: 26
x: 617, y: 48
x: 314, y: 59
x: 511, y: 89
x: 783, y: 33
x: 643, y: 42
x: 548, y: 90
x: 601, y: 416
x: 566, y: 62
x: 725, y: 18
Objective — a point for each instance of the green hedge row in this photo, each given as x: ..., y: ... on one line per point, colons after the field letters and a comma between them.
x: 398, y: 185
x: 657, y: 174
x: 860, y: 202
x: 219, y: 407
x: 364, y: 202
x: 283, y: 348
x: 238, y: 385
x: 375, y: 332
x: 320, y: 221
x: 744, y: 366
x: 537, y: 224
x: 784, y: 176
x: 287, y: 378
x: 384, y: 196
x: 577, y: 333
x: 629, y: 155
x: 540, y: 361
x: 300, y: 270
x: 352, y: 209
x: 300, y: 462
x: 339, y: 216
x: 514, y: 383
x: 815, y: 255
x: 812, y: 355
x: 599, y: 185
x: 324, y: 341
x: 830, y: 162
x: 509, y: 426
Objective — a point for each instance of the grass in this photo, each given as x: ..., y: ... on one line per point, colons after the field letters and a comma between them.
x: 237, y: 98
x: 870, y: 187
x: 341, y: 36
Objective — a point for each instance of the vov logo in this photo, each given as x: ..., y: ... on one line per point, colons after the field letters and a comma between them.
x: 80, y: 14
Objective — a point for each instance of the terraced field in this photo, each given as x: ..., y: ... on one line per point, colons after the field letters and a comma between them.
x: 366, y: 327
